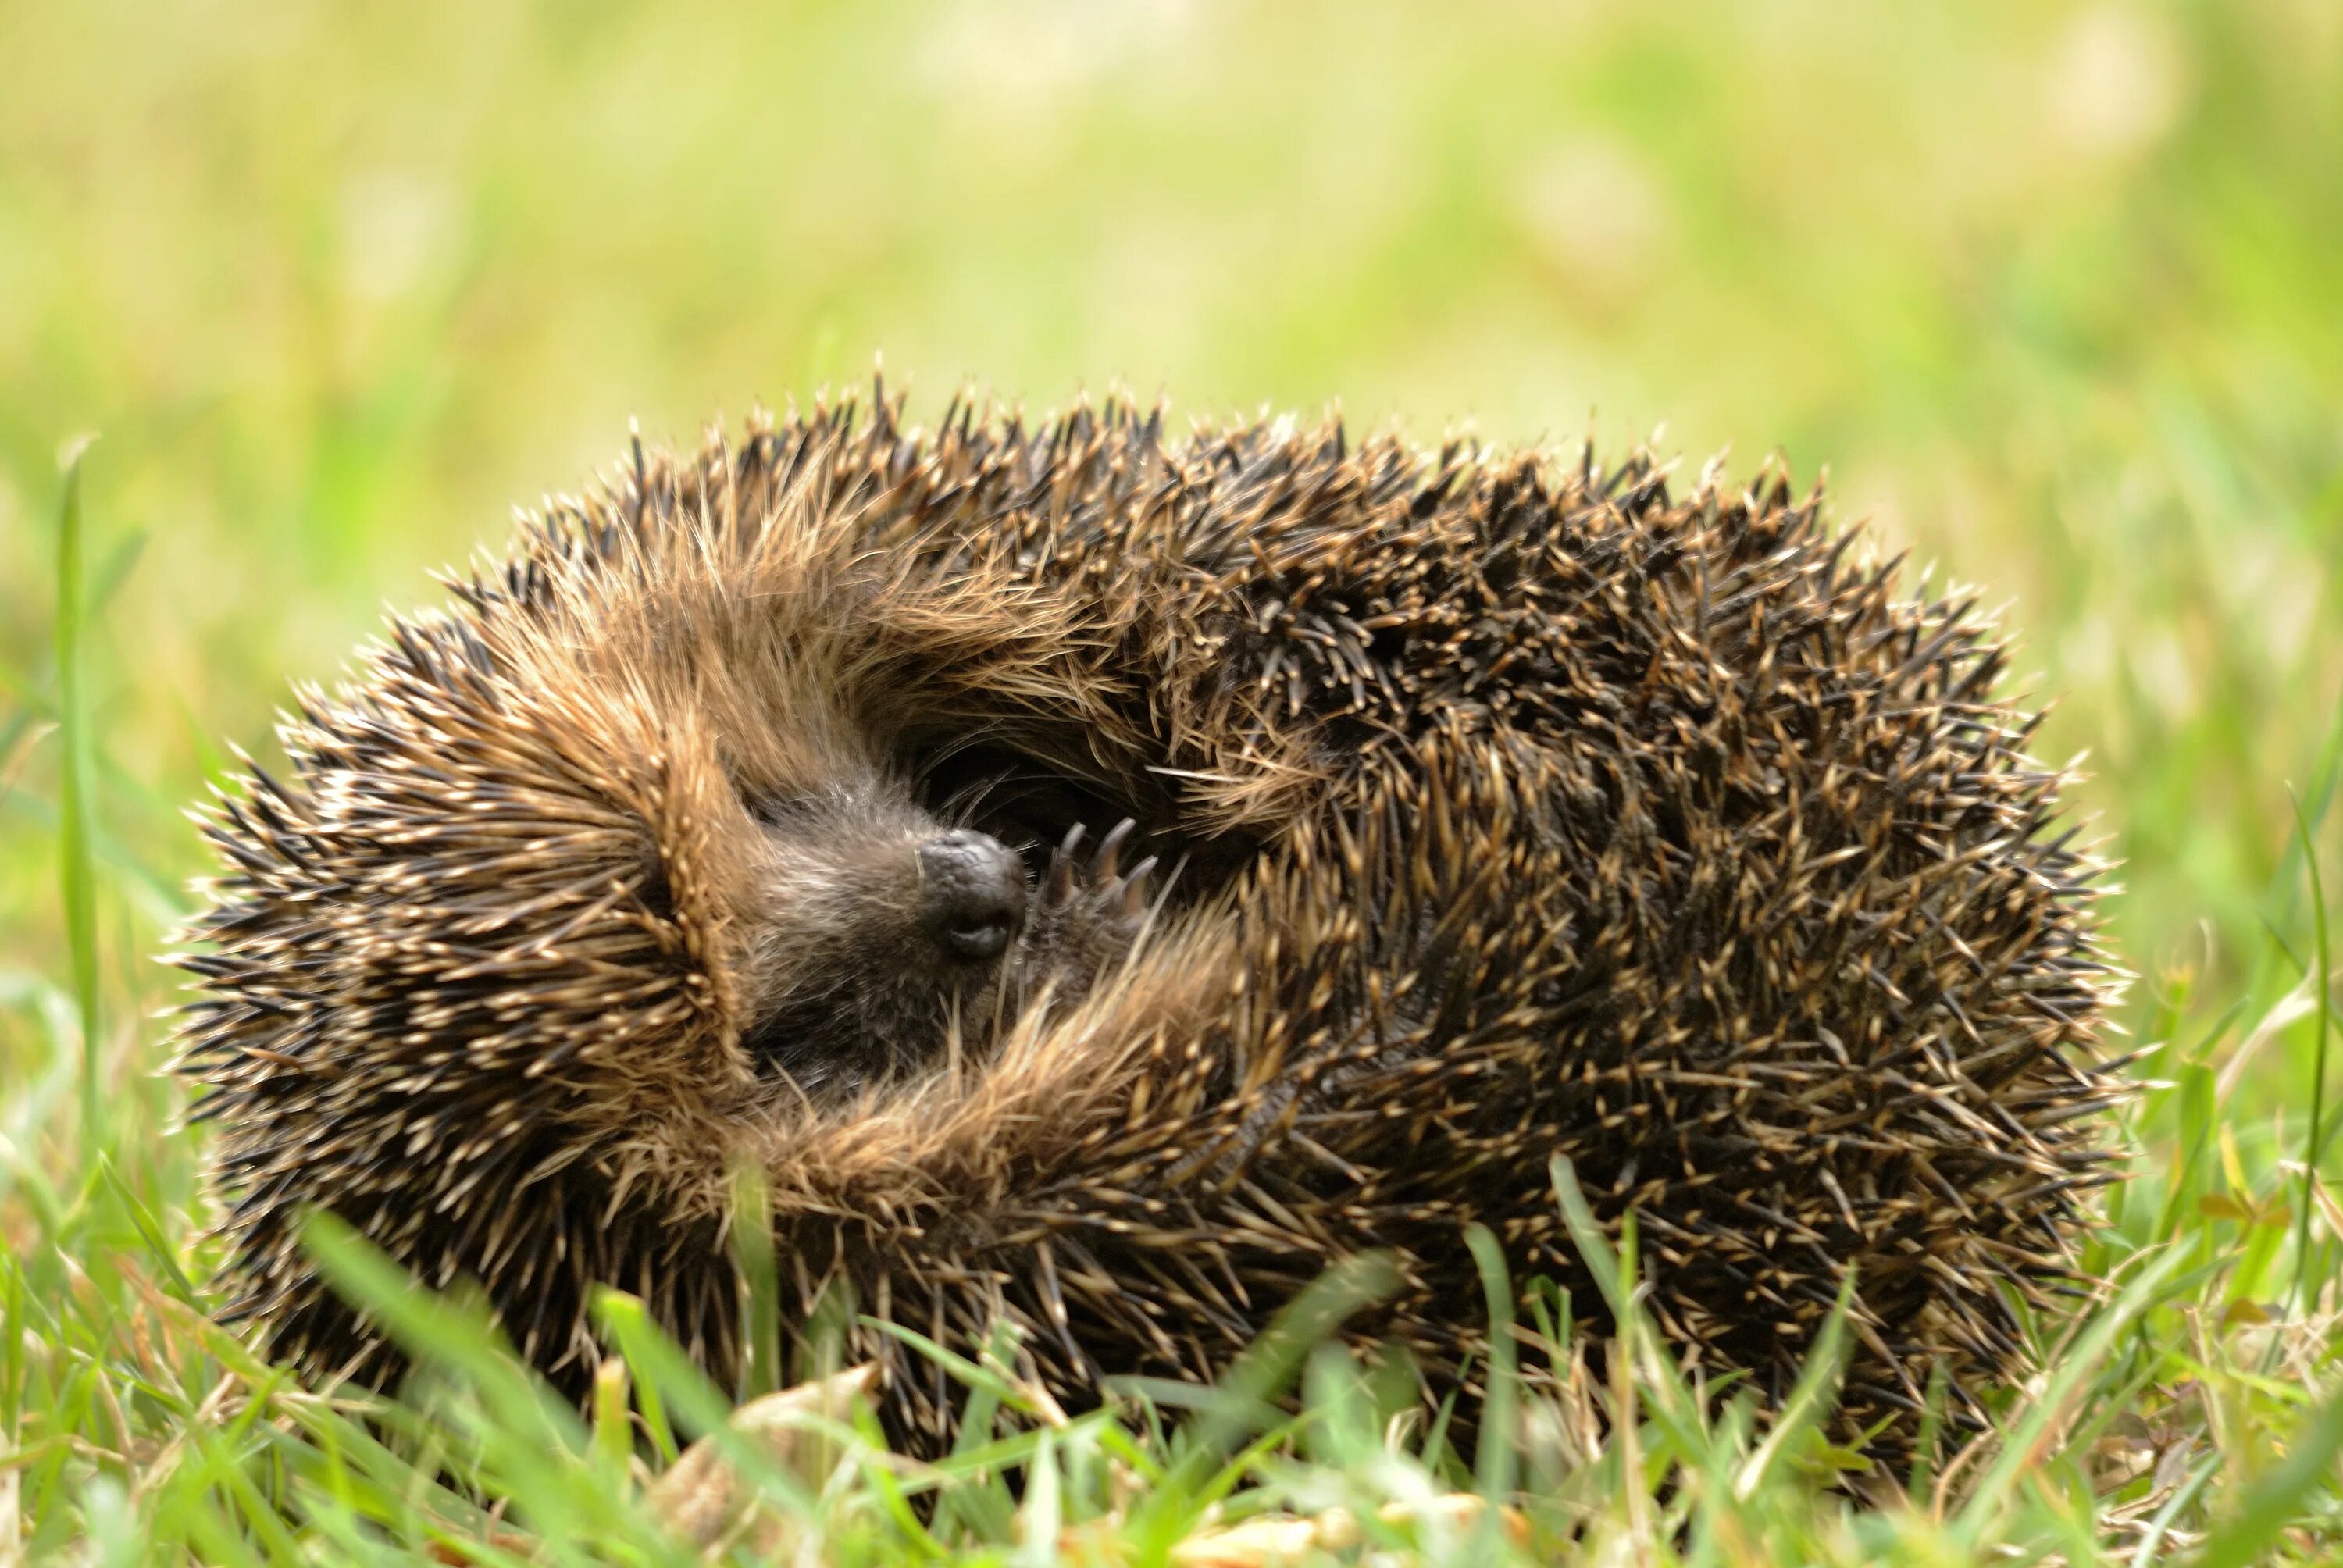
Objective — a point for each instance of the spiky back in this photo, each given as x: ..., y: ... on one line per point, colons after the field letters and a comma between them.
x: 1530, y: 810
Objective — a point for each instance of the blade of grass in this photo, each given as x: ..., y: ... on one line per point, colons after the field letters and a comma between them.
x: 1002, y: 1391
x: 2318, y: 982
x: 1810, y: 1399
x: 613, y: 1433
x: 660, y: 1370
x: 78, y: 869
x: 752, y: 1250
x: 1256, y: 1378
x: 1673, y: 1404
x: 1040, y: 1519
x: 1270, y: 1362
x: 1494, y: 1455
x: 34, y: 692
x: 149, y: 1230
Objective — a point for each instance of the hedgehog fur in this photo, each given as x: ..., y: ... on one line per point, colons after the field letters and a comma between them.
x: 1501, y: 806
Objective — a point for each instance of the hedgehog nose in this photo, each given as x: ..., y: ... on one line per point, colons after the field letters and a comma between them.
x: 971, y: 893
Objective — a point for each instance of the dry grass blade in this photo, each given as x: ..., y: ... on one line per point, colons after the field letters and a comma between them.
x: 704, y: 1497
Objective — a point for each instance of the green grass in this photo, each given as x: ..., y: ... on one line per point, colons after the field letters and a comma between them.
x: 2053, y: 288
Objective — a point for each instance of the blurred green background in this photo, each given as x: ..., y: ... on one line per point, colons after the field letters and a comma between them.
x: 2054, y: 290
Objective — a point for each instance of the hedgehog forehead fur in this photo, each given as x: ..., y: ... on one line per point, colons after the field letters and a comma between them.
x: 1519, y: 809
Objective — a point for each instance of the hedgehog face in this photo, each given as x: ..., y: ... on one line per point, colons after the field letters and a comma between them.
x: 872, y: 931
x: 878, y: 935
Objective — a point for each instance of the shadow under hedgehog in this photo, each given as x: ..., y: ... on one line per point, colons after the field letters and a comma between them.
x: 1504, y: 809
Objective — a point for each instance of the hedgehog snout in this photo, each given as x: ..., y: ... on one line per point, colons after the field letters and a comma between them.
x: 972, y: 894
x: 875, y: 933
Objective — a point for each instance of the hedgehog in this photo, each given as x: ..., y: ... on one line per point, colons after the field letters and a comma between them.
x: 1095, y: 880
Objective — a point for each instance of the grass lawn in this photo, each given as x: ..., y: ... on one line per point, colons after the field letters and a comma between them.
x: 2055, y: 289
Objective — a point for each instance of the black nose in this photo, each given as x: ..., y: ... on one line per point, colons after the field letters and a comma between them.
x: 971, y: 893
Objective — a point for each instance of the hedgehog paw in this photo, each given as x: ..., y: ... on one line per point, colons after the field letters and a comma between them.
x: 1087, y: 910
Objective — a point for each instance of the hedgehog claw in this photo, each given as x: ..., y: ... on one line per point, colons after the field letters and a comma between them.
x: 1134, y: 887
x: 1060, y: 887
x: 1110, y: 851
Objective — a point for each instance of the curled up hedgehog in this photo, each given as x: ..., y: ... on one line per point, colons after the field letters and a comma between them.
x: 1097, y: 879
